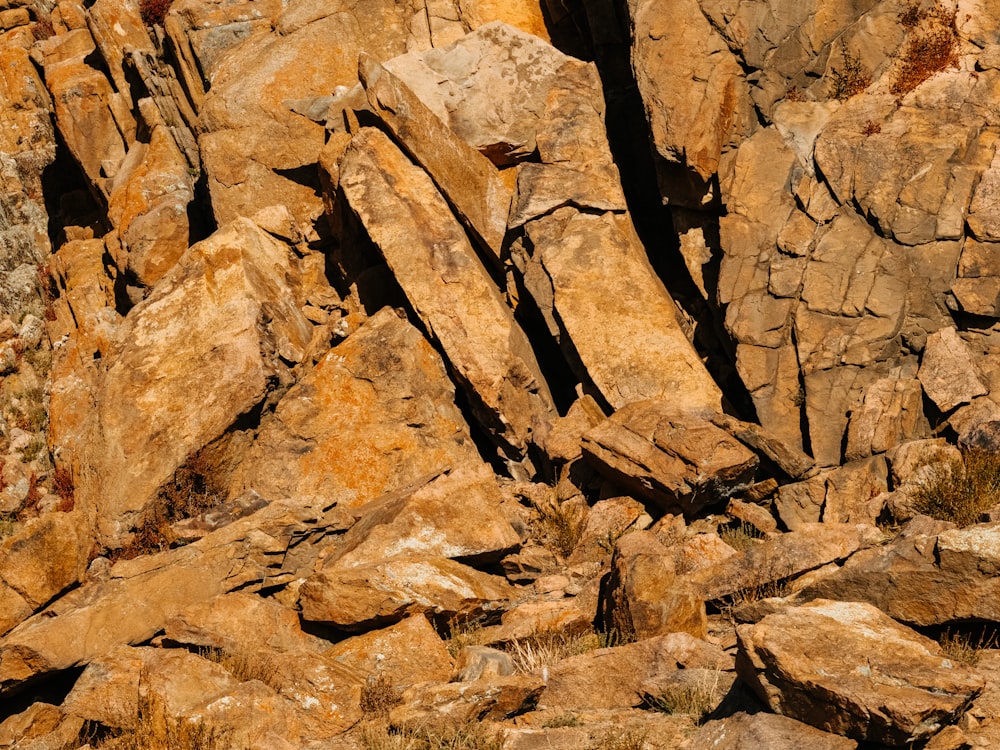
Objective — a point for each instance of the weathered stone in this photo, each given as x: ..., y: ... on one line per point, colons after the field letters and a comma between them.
x: 474, y: 662
x: 781, y: 557
x: 362, y: 596
x: 871, y: 679
x: 154, y: 588
x: 632, y: 348
x: 606, y: 521
x: 37, y: 720
x: 645, y: 596
x: 456, y: 516
x: 948, y: 373
x: 488, y: 699
x: 892, y: 412
x: 790, y: 460
x: 922, y: 579
x: 752, y: 514
x: 694, y: 91
x: 614, y: 677
x: 661, y: 454
x: 376, y: 414
x: 200, y: 331
x: 853, y: 491
x: 744, y: 731
x: 443, y: 279
x: 407, y: 653
x: 466, y: 178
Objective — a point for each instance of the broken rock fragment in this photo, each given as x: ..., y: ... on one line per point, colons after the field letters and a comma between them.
x: 676, y: 460
x: 849, y: 669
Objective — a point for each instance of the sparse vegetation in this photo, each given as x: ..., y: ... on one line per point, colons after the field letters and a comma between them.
x: 696, y: 700
x: 244, y: 666
x: 462, y: 634
x: 871, y: 128
x: 619, y: 740
x: 154, y: 730
x: 961, y: 492
x: 548, y: 648
x: 7, y: 525
x: 931, y: 48
x: 741, y: 536
x: 378, y: 735
x: 154, y: 11
x: 378, y: 697
x: 850, y: 79
x: 965, y: 648
x: 560, y: 527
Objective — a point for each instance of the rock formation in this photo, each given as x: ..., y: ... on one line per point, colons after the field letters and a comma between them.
x: 485, y: 374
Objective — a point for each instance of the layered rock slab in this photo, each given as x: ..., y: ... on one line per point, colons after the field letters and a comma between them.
x: 200, y: 351
x: 847, y: 668
x: 659, y: 453
x: 432, y: 260
x: 630, y: 346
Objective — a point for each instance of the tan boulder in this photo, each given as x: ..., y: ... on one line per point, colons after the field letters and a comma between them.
x: 361, y: 596
x: 645, y: 595
x: 661, y: 454
x: 465, y: 177
x: 456, y: 515
x: 459, y: 703
x: 695, y: 94
x: 37, y: 720
x: 948, y: 373
x: 199, y: 332
x: 891, y: 413
x: 451, y: 292
x: 155, y: 588
x: 614, y: 677
x: 923, y: 578
x: 773, y: 731
x: 376, y: 414
x: 781, y: 557
x: 406, y: 653
x: 849, y: 669
x: 574, y: 267
x: 148, y: 205
x: 254, y: 145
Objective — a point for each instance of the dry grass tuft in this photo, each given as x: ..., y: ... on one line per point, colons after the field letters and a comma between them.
x: 154, y: 730
x: 560, y: 527
x: 545, y: 649
x: 741, y: 536
x: 965, y: 648
x: 378, y: 735
x: 245, y: 666
x: 630, y: 740
x: 961, y: 492
x: 696, y: 700
x: 931, y: 48
x: 378, y: 697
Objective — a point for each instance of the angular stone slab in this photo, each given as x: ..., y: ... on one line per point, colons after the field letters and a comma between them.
x: 467, y: 178
x: 849, y: 669
x: 745, y: 731
x: 376, y: 414
x: 631, y: 346
x: 188, y: 360
x: 924, y: 580
x: 359, y: 598
x: 948, y: 372
x: 680, y: 462
x: 449, y: 289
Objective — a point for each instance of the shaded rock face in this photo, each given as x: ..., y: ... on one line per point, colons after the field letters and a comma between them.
x: 347, y: 401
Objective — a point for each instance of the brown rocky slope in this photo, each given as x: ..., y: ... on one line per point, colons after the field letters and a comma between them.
x: 424, y: 374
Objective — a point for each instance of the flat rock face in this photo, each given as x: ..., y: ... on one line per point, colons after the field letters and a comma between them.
x: 775, y: 732
x: 218, y: 326
x: 847, y: 668
x: 429, y: 255
x: 924, y: 579
x: 577, y: 264
x: 948, y: 373
x: 376, y: 413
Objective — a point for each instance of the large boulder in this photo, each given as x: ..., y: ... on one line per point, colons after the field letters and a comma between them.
x: 431, y: 258
x: 376, y: 414
x: 849, y: 669
x: 200, y: 351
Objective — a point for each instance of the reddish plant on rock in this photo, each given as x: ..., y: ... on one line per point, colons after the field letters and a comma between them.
x: 154, y: 11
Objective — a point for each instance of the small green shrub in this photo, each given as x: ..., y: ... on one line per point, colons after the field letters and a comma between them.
x: 961, y: 492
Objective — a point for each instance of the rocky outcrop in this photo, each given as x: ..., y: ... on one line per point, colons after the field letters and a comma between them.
x: 382, y: 371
